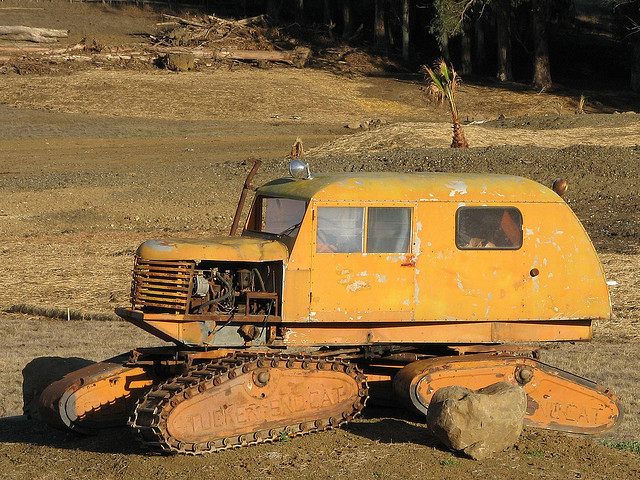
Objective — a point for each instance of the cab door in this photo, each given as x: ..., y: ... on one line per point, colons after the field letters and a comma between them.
x: 363, y: 266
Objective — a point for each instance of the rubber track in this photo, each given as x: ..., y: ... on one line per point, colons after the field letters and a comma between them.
x: 151, y: 409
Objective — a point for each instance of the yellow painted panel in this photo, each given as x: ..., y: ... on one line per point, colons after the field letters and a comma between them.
x: 555, y: 275
x: 448, y: 332
x: 362, y: 287
x: 295, y: 302
x: 245, y: 249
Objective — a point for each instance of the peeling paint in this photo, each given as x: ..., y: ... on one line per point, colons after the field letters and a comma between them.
x: 160, y: 245
x: 290, y: 336
x: 457, y: 187
x: 357, y: 285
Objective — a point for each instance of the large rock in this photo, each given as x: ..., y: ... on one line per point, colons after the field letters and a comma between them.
x: 479, y: 422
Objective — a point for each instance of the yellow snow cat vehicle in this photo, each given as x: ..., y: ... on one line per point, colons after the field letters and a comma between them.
x: 343, y: 287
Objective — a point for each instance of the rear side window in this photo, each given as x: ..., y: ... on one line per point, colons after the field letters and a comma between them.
x: 388, y: 229
x: 488, y: 228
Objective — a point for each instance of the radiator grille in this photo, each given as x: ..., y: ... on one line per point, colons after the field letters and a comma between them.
x: 161, y: 284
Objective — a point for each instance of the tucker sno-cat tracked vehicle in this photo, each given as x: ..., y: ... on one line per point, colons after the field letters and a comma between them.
x: 344, y: 287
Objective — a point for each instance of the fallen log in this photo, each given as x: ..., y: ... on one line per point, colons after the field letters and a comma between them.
x: 243, y: 22
x: 184, y: 21
x: 31, y: 34
x: 41, y: 50
x: 44, y: 32
x: 28, y: 37
x: 297, y: 57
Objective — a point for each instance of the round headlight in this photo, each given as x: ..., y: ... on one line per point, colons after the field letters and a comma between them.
x: 299, y: 169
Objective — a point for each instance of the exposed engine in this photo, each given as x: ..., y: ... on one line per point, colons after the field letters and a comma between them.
x: 251, y: 288
x: 248, y: 289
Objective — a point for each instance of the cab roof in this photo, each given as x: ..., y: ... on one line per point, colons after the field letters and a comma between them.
x: 411, y: 187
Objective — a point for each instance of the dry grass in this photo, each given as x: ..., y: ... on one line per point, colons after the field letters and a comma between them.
x: 220, y: 94
x: 27, y: 337
x: 256, y: 94
x: 91, y: 273
x: 431, y: 134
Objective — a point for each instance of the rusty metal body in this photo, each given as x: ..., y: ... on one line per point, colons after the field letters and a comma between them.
x: 384, y: 271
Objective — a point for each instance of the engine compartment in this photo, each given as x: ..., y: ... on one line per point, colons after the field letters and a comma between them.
x: 251, y: 288
x: 207, y: 287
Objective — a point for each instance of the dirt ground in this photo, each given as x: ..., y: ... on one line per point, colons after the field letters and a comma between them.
x: 95, y: 160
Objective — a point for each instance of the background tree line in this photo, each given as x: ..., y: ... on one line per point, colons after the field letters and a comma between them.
x: 523, y: 40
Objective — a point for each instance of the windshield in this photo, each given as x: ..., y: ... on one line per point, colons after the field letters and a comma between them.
x: 278, y: 216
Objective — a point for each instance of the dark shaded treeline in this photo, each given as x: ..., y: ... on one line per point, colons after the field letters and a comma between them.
x: 574, y: 42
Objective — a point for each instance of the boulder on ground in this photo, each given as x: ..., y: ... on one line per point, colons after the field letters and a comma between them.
x: 478, y: 422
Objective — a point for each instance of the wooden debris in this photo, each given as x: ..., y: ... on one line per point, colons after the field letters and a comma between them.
x: 31, y: 34
x: 183, y: 21
x: 297, y: 57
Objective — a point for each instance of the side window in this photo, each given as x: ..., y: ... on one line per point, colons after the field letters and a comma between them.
x: 340, y: 229
x: 388, y: 229
x: 282, y: 215
x: 279, y: 216
x: 488, y: 227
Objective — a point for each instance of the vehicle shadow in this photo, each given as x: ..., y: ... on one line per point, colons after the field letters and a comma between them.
x: 384, y: 425
x: 20, y: 429
x: 393, y: 425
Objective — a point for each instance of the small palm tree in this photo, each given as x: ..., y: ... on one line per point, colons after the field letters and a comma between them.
x: 442, y: 84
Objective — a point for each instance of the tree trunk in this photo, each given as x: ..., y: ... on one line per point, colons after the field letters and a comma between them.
x: 299, y: 13
x: 635, y: 65
x: 465, y: 63
x: 326, y: 15
x: 480, y: 45
x: 541, y: 67
x: 379, y: 27
x: 444, y: 48
x: 273, y: 9
x: 405, y: 30
x: 503, y: 23
x: 347, y: 21
x: 459, y: 140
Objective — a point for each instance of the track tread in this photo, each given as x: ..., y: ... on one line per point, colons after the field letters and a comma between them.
x: 149, y: 417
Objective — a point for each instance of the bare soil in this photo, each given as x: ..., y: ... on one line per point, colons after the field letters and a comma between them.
x: 94, y: 161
